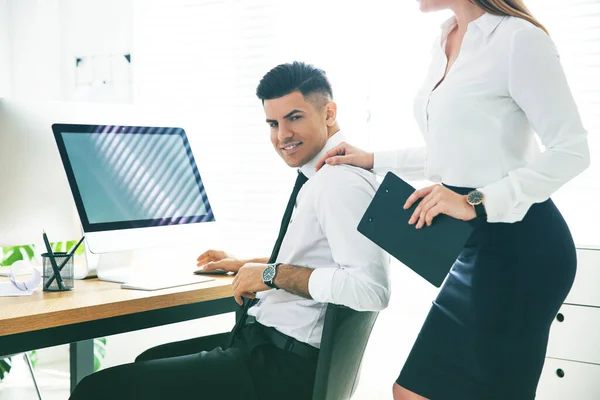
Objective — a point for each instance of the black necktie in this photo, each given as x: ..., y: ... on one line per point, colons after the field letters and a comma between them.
x: 285, y: 222
x: 287, y: 216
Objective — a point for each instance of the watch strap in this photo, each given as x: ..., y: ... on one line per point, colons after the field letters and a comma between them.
x: 480, y: 210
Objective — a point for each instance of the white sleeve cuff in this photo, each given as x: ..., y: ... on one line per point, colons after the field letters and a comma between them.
x: 409, y: 163
x: 320, y: 284
x: 496, y: 201
x: 499, y: 203
x: 384, y: 161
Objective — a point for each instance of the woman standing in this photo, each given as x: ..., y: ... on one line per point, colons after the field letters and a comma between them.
x: 495, y: 78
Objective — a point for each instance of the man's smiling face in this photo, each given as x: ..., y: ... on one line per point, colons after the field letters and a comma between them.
x: 298, y: 126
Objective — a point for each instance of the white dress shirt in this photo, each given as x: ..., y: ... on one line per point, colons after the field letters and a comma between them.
x: 478, y: 124
x: 348, y: 268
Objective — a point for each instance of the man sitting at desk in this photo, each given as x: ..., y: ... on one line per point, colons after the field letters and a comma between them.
x: 318, y: 258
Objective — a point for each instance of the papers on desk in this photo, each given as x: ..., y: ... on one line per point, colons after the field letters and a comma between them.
x: 22, y: 287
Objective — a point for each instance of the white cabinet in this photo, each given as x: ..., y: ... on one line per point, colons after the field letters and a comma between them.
x: 586, y: 288
x: 569, y: 380
x: 572, y: 367
x: 575, y: 334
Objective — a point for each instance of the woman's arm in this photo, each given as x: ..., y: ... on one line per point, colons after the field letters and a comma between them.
x: 408, y: 163
x: 538, y: 85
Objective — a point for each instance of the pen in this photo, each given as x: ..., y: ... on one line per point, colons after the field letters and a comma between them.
x: 67, y: 257
x: 59, y: 280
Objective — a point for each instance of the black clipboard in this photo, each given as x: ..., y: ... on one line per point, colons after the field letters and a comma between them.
x: 430, y: 251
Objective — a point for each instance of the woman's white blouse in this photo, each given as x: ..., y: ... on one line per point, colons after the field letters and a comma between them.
x: 478, y: 125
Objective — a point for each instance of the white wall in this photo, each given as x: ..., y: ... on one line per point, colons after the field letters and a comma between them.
x: 35, y: 49
x: 41, y: 39
x: 5, y: 49
x: 100, y: 32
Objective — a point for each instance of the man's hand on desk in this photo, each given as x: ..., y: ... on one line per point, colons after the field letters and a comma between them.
x: 212, y: 260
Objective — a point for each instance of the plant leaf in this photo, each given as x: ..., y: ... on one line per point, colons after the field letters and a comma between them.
x: 27, y: 252
x: 99, y: 352
x: 5, y: 366
x: 33, y: 356
x: 80, y: 250
x: 13, y: 255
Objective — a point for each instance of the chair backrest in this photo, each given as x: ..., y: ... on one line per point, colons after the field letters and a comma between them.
x: 345, y: 336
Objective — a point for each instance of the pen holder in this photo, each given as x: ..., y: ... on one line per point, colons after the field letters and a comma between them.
x: 50, y: 284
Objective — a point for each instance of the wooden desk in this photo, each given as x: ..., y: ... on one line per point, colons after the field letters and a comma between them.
x: 95, y: 309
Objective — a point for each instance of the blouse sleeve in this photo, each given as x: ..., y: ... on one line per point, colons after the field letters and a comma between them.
x: 538, y: 85
x: 409, y: 163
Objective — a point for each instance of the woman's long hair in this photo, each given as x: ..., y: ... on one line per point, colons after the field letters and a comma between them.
x: 515, y: 8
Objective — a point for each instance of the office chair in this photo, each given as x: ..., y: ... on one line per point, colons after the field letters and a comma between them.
x: 28, y: 362
x: 345, y: 336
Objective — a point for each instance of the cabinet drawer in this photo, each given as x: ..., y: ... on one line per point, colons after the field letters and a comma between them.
x: 569, y: 380
x: 575, y: 334
x: 585, y: 288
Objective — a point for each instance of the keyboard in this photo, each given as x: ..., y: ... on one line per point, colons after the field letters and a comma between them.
x: 162, y: 282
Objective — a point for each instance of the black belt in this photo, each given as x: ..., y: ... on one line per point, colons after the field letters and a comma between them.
x: 288, y: 343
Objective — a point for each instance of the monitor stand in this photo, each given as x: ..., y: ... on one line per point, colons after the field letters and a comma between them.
x: 148, y: 268
x: 110, y: 267
x: 144, y: 269
x: 115, y: 267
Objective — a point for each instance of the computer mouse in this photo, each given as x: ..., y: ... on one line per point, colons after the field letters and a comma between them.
x: 200, y: 271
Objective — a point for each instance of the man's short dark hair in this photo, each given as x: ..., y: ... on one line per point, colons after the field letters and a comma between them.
x: 287, y: 78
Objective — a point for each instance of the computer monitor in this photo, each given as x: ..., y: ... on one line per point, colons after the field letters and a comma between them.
x: 36, y: 194
x: 131, y: 183
x: 134, y: 187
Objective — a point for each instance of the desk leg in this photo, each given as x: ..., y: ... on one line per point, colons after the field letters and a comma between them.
x: 81, y: 361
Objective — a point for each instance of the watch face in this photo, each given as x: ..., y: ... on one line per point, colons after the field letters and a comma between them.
x: 475, y: 197
x: 268, y: 274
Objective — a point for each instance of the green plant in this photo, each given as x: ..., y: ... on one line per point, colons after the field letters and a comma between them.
x: 33, y: 356
x: 8, y: 256
x: 5, y: 366
x: 99, y: 352
x: 11, y: 254
x: 67, y: 246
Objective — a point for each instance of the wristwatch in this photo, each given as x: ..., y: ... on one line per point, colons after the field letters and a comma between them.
x: 269, y: 274
x: 475, y: 198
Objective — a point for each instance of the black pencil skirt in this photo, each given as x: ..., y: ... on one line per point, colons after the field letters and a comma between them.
x: 486, y: 334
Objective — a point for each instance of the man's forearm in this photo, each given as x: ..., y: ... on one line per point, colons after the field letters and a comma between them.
x: 294, y: 279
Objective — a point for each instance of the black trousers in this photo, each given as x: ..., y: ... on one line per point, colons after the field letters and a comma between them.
x: 202, y: 368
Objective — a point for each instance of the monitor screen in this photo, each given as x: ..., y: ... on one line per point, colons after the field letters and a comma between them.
x: 125, y: 177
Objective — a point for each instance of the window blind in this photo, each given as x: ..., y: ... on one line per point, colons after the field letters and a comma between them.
x: 207, y: 56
